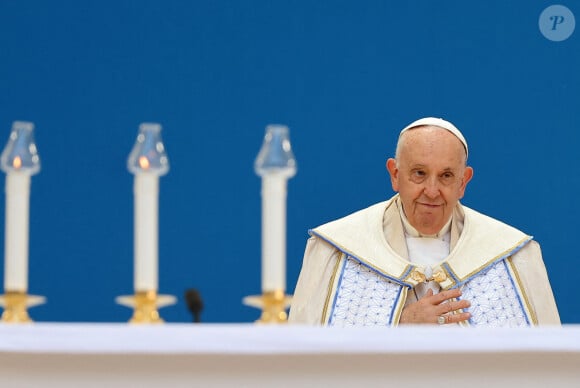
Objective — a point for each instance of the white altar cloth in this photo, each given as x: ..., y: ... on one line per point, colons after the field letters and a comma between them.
x: 85, y: 354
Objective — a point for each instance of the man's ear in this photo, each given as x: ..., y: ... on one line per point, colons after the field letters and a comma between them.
x: 467, y: 175
x: 394, y: 173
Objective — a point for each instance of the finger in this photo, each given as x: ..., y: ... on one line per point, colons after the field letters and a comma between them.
x: 456, y: 318
x: 446, y: 295
x: 428, y: 294
x: 451, y: 306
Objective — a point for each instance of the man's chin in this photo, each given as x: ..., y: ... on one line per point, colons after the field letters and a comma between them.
x: 429, y: 227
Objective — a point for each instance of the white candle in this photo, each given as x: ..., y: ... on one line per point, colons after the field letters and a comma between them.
x: 146, y: 192
x: 274, y: 232
x: 16, y: 231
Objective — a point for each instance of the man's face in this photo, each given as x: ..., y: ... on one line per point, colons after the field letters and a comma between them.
x: 430, y: 176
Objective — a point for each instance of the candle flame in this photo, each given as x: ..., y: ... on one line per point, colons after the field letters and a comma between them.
x: 143, y: 162
x: 17, y: 162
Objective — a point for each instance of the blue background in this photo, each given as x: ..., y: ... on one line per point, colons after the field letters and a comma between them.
x: 345, y: 76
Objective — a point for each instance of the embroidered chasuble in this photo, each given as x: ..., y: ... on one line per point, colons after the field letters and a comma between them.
x: 355, y: 275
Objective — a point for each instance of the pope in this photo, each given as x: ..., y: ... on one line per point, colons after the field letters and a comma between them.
x: 421, y: 257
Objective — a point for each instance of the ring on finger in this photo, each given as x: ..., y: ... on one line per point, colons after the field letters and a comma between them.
x: 441, y: 319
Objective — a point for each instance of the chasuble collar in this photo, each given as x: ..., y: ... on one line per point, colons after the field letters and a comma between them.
x: 477, y: 241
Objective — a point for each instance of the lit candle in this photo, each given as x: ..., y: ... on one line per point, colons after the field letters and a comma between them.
x: 275, y: 164
x: 147, y: 161
x: 16, y: 232
x: 19, y: 160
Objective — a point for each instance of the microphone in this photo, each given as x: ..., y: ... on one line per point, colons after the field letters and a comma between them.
x: 194, y: 303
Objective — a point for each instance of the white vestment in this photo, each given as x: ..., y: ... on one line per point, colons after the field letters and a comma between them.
x: 356, y: 271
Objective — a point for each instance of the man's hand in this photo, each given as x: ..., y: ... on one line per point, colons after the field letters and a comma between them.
x: 430, y: 307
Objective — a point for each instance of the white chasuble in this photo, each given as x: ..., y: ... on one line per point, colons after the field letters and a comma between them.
x: 371, y: 281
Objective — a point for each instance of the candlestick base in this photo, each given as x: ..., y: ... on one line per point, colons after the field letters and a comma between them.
x: 145, y: 305
x: 273, y: 305
x: 16, y: 305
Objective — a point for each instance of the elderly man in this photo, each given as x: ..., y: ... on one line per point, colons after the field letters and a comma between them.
x: 421, y: 256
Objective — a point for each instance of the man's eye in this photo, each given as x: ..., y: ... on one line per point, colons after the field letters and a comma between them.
x: 418, y: 176
x: 447, y: 178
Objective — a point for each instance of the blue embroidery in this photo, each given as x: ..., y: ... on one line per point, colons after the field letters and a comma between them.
x: 361, y: 262
x: 494, y: 299
x: 363, y: 297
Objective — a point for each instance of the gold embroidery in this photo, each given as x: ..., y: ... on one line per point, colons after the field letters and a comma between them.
x: 528, y: 307
x: 329, y: 293
x: 399, y: 308
x: 418, y: 276
x: 439, y: 276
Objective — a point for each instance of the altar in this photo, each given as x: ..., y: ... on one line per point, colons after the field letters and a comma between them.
x: 252, y: 355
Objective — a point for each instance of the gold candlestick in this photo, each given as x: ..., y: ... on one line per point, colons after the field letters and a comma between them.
x: 145, y: 305
x: 16, y: 305
x: 273, y: 305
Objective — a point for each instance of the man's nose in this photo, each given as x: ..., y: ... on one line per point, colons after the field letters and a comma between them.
x: 431, y: 187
